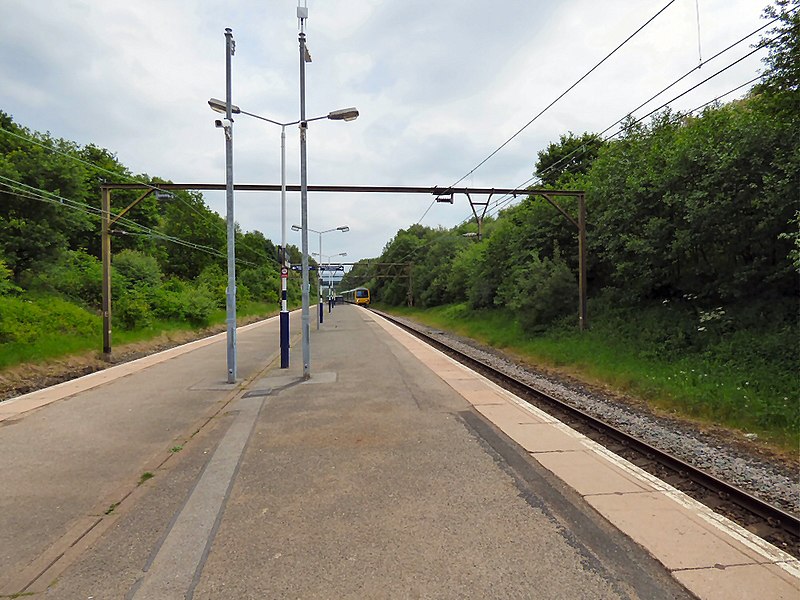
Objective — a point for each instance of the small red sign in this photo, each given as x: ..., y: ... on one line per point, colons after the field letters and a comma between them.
x: 284, y: 273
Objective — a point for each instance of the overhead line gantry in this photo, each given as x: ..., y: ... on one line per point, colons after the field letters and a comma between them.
x: 442, y: 194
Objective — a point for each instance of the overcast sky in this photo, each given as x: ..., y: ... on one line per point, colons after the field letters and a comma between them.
x: 440, y: 85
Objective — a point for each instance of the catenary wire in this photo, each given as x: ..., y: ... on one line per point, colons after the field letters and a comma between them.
x: 583, y: 148
x: 507, y: 199
x: 502, y: 202
x: 565, y: 92
x: 22, y: 193
x: 26, y: 191
x: 546, y: 108
x: 124, y: 176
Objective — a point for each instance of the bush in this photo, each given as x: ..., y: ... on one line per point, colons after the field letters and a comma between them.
x: 132, y: 310
x: 6, y: 285
x: 76, y: 275
x: 183, y: 301
x: 213, y: 279
x: 539, y: 292
x: 24, y: 320
x: 262, y: 282
x: 138, y: 269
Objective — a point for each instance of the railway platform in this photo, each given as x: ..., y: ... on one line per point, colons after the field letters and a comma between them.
x: 393, y: 472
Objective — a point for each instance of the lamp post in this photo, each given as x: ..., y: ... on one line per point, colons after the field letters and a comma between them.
x: 330, y: 279
x: 305, y: 56
x: 343, y: 229
x: 344, y: 114
x: 230, y: 292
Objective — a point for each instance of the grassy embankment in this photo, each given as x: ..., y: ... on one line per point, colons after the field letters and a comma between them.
x: 36, y: 329
x: 742, y: 379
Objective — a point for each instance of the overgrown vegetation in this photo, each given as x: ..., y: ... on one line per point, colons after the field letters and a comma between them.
x: 168, y: 262
x: 693, y: 252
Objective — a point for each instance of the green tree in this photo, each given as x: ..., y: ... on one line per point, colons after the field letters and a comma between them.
x: 697, y: 205
x: 6, y: 284
x: 572, y: 155
x: 782, y: 73
x: 43, y: 203
x: 263, y: 281
x: 253, y: 247
x: 404, y: 248
x: 433, y: 267
x: 188, y: 218
x: 138, y: 269
x: 74, y: 274
x: 539, y: 291
x: 463, y: 272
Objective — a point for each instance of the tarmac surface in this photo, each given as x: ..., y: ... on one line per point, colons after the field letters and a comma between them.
x: 376, y: 478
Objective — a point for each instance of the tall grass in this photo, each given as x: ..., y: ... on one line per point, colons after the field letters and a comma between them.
x: 746, y: 378
x: 40, y: 328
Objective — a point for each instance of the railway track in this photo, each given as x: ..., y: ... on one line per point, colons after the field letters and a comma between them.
x: 777, y: 526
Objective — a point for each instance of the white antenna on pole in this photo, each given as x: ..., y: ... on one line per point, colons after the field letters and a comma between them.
x: 302, y: 14
x: 699, y: 48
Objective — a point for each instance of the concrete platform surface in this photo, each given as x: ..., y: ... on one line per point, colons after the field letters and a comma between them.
x: 392, y: 473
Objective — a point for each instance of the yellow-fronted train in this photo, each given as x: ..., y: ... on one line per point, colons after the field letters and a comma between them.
x: 359, y: 295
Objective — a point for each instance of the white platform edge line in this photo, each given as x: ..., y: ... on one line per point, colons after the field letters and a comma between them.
x: 85, y: 382
x: 771, y: 553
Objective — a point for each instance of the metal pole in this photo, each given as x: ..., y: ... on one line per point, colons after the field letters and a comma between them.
x: 284, y: 316
x: 105, y: 244
x: 330, y: 283
x: 231, y: 290
x: 582, y: 311
x: 306, y: 334
x: 319, y: 282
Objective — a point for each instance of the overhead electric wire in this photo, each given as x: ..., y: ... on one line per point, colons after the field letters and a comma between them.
x: 693, y: 110
x: 153, y: 187
x: 546, y: 108
x: 506, y: 200
x: 565, y: 92
x: 681, y: 78
x: 510, y: 198
x: 22, y: 193
x: 685, y: 75
x: 24, y: 190
x: 501, y: 202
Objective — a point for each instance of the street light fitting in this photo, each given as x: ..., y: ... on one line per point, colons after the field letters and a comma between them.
x: 296, y: 228
x: 220, y: 106
x: 344, y: 114
x: 343, y: 228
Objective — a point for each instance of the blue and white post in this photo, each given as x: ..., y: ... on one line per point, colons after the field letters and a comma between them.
x: 284, y: 315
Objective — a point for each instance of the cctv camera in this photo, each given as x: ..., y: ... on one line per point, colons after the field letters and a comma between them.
x: 222, y: 123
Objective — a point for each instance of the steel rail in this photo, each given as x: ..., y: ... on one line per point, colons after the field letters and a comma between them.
x: 775, y: 516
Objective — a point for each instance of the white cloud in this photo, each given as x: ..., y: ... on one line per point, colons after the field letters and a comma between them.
x: 439, y: 87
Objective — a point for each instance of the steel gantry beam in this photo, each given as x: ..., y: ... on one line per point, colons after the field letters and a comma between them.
x: 359, y: 189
